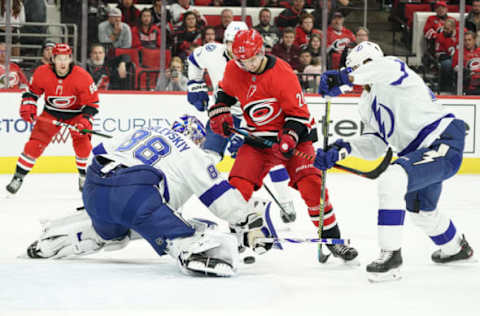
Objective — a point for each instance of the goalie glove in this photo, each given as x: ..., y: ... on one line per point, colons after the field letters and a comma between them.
x: 197, y: 94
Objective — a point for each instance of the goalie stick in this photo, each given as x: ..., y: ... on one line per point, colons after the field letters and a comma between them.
x: 372, y: 174
x: 85, y: 131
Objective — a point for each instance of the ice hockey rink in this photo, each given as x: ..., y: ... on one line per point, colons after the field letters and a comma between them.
x: 135, y: 281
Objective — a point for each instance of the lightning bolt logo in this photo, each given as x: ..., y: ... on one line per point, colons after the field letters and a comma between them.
x: 377, y: 112
x: 431, y: 155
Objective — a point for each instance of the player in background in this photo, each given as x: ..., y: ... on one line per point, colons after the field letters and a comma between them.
x: 140, y: 181
x: 399, y: 110
x: 273, y: 107
x: 213, y: 57
x: 70, y: 96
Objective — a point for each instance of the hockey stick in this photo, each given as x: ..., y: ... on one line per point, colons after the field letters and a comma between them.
x: 284, y: 215
x: 372, y: 174
x: 73, y: 127
x: 320, y: 241
x: 322, y: 258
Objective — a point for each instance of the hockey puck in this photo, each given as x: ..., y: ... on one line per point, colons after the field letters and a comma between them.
x: 249, y: 260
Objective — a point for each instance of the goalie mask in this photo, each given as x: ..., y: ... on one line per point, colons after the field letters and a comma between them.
x: 362, y: 53
x: 190, y: 126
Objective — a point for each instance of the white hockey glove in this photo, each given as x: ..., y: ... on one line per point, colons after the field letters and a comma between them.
x: 255, y: 226
x: 197, y: 94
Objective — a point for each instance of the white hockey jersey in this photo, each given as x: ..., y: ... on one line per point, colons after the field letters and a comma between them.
x: 399, y: 110
x: 188, y: 169
x: 213, y: 57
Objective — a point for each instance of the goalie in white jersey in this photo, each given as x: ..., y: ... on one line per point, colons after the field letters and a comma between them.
x: 213, y: 57
x: 139, y: 182
x: 400, y: 111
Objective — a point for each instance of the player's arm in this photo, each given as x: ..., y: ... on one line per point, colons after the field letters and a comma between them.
x: 197, y: 91
x: 385, y: 70
x: 28, y: 107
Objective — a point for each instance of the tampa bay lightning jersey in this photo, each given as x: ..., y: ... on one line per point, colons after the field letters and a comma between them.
x: 188, y: 169
x: 213, y: 57
x: 399, y: 110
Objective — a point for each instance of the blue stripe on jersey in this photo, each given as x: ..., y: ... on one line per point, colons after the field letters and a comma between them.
x: 279, y: 175
x: 99, y: 150
x: 391, y: 217
x: 216, y: 191
x: 402, y: 77
x: 424, y: 132
x: 448, y: 235
x: 192, y: 59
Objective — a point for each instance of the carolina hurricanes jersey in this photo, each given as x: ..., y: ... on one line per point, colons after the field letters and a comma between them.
x: 64, y: 97
x: 188, y: 169
x: 471, y: 62
x: 336, y: 43
x: 269, y: 100
x: 16, y: 77
x: 434, y: 25
x: 446, y: 44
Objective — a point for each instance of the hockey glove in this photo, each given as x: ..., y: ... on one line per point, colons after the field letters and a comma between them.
x: 235, y: 143
x: 28, y: 111
x: 197, y: 94
x: 287, y: 141
x: 221, y: 120
x: 337, y: 151
x: 83, y: 121
x: 335, y: 82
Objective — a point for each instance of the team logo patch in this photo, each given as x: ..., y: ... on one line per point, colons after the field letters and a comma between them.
x: 340, y: 44
x: 210, y: 47
x: 263, y: 111
x: 385, y: 119
x: 62, y: 102
x: 474, y: 64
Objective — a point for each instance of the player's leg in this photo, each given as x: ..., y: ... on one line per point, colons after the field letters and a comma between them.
x: 307, y: 180
x: 280, y: 179
x: 41, y: 135
x: 82, y: 146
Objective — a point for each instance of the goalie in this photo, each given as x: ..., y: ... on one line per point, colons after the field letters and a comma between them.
x: 138, y: 183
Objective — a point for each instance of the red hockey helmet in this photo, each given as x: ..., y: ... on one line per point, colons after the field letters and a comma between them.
x: 61, y: 49
x: 246, y: 44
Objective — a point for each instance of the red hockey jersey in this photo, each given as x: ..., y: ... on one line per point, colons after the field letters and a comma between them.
x: 64, y: 97
x: 336, y: 43
x: 471, y: 62
x: 434, y: 25
x: 446, y: 44
x: 16, y: 77
x: 269, y: 100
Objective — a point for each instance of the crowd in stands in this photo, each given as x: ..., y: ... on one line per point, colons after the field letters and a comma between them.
x: 124, y: 41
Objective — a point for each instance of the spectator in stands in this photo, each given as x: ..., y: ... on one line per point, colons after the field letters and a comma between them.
x: 315, y: 46
x: 17, y: 18
x: 304, y: 31
x: 113, y: 32
x: 315, y: 70
x: 174, y: 79
x: 269, y: 32
x: 305, y: 59
x: 208, y: 35
x: 46, y: 54
x: 226, y: 16
x: 434, y: 23
x: 445, y: 44
x: 16, y: 78
x: 146, y: 34
x: 471, y: 64
x: 178, y: 10
x: 113, y: 74
x: 338, y: 37
x: 156, y: 10
x: 361, y: 35
x: 186, y: 34
x: 130, y: 14
x: 332, y: 7
x: 472, y: 21
x: 291, y: 16
x: 286, y: 49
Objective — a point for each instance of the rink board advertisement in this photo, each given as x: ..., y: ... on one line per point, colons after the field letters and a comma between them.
x: 120, y: 113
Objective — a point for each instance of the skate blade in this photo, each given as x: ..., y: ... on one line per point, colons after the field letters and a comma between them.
x: 220, y: 269
x: 462, y: 262
x: 392, y: 275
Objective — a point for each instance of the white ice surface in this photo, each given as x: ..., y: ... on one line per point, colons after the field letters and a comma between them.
x: 135, y: 281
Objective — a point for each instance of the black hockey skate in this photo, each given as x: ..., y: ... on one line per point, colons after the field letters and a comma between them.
x: 81, y: 182
x: 385, y: 268
x: 33, y: 252
x: 465, y: 253
x: 15, y: 184
x: 344, y: 252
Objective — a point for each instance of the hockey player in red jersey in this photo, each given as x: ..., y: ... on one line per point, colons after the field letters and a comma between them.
x: 70, y: 96
x: 274, y: 108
